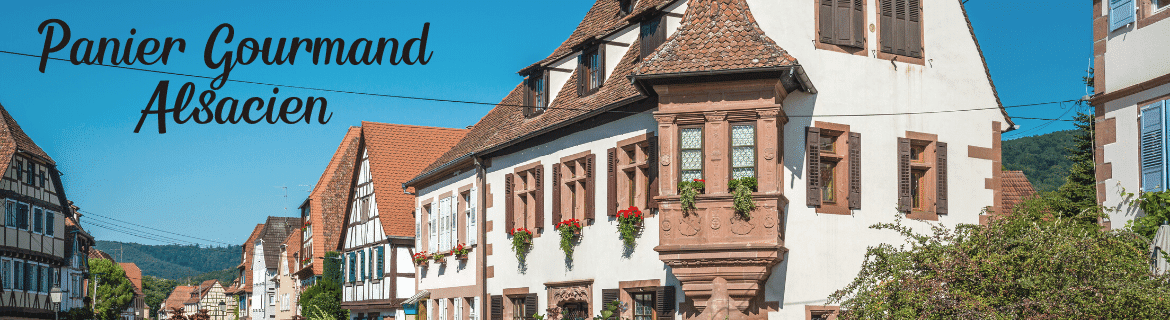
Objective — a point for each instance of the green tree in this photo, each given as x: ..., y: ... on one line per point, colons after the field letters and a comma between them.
x: 322, y: 300
x: 156, y: 290
x: 1079, y: 193
x: 1029, y: 264
x: 114, y: 292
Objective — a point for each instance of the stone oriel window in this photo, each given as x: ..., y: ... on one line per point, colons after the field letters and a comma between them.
x: 690, y: 153
x: 922, y: 172
x: 834, y: 168
x: 633, y: 175
x: 574, y: 187
x: 525, y: 198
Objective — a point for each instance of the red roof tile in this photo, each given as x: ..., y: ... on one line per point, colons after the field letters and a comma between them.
x: 1016, y: 189
x: 398, y: 153
x: 179, y: 296
x: 134, y: 274
x: 330, y: 197
x: 292, y: 247
x: 603, y: 18
x: 13, y: 139
x: 716, y: 35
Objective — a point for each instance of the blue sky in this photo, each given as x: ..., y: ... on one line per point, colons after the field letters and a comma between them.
x: 218, y: 181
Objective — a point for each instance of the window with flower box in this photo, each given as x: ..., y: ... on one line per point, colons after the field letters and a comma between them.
x: 633, y: 174
x: 834, y: 168
x: 524, y: 200
x: 573, y: 187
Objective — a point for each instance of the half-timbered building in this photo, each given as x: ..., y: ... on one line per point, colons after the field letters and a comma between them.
x: 379, y: 235
x: 32, y: 237
x: 667, y: 106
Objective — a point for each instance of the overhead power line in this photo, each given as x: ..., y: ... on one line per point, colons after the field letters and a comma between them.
x: 141, y: 232
x: 159, y: 230
x: 114, y: 229
x: 513, y: 105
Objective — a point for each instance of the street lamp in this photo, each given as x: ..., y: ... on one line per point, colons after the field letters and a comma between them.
x: 55, y: 295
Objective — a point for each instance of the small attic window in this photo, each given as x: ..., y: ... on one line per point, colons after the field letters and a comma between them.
x: 591, y: 70
x: 535, y: 93
x: 653, y: 34
x: 626, y: 6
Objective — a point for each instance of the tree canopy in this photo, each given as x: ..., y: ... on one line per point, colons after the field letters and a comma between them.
x: 114, y: 290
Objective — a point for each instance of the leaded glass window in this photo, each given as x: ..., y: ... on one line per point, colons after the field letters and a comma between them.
x: 691, y: 153
x: 743, y: 151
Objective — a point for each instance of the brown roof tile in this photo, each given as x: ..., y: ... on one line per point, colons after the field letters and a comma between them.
x: 276, y: 230
x: 94, y: 253
x: 1016, y: 189
x: 716, y: 35
x: 12, y: 136
x: 602, y: 19
x: 179, y: 296
x: 398, y: 153
x: 134, y: 274
x: 292, y: 246
x: 330, y: 197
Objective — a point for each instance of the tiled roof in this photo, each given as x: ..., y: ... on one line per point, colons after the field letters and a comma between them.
x: 276, y: 230
x: 94, y: 253
x: 398, y: 153
x: 716, y: 35
x: 603, y: 18
x: 134, y: 274
x: 292, y: 246
x: 247, y: 260
x: 179, y: 296
x: 1016, y: 189
x: 12, y: 139
x: 330, y: 197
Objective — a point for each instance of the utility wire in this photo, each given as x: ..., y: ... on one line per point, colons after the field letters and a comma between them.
x: 115, y: 224
x: 91, y: 223
x: 169, y: 232
x: 512, y: 105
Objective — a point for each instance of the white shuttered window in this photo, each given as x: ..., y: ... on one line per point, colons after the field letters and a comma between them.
x: 471, y: 218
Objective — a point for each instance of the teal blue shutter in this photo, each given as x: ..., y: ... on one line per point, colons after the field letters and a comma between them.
x: 365, y: 275
x: 352, y: 267
x: 1153, y: 147
x: 1121, y: 13
x: 381, y: 262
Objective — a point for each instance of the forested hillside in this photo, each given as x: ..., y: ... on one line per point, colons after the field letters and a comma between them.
x: 1043, y: 158
x: 174, y: 261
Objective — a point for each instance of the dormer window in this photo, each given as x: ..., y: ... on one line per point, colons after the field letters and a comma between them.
x: 591, y: 70
x: 653, y: 34
x: 626, y: 6
x: 536, y: 93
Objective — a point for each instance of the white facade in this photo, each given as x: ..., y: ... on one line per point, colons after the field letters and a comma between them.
x: 263, y: 298
x: 369, y: 256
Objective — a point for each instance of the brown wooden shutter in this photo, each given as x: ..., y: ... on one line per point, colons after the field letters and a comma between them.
x: 529, y: 93
x: 858, y: 25
x: 825, y: 21
x: 665, y: 302
x: 904, y: 175
x: 590, y: 189
x: 652, y: 172
x: 538, y: 196
x: 813, y: 146
x: 900, y: 27
x: 556, y: 192
x: 608, y: 296
x: 886, y: 20
x: 497, y: 307
x: 940, y: 204
x: 530, y: 305
x: 843, y: 22
x: 913, y: 28
x: 582, y: 77
x: 611, y: 184
x: 600, y: 65
x: 545, y: 94
x: 509, y: 202
x: 854, y: 170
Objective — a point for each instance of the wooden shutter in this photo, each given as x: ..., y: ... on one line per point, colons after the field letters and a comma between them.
x: 545, y: 94
x: 529, y: 94
x: 813, y: 178
x: 904, y: 176
x: 913, y: 28
x: 652, y: 172
x: 886, y: 20
x: 608, y: 296
x: 600, y: 65
x: 843, y: 22
x: 590, y: 189
x: 509, y: 202
x: 653, y: 35
x: 854, y: 170
x: 538, y: 196
x: 530, y: 305
x: 825, y: 21
x: 611, y: 184
x: 582, y: 74
x: 1153, y: 147
x: 940, y: 167
x: 858, y: 26
x: 1121, y: 13
x: 665, y: 302
x: 556, y: 192
x: 497, y: 307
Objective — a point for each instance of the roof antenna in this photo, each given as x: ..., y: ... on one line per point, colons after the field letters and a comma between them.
x: 285, y: 188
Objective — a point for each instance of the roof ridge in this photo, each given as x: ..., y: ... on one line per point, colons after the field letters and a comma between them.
x: 410, y: 126
x: 19, y: 139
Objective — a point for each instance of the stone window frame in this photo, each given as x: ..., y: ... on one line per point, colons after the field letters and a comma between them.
x: 831, y: 312
x: 755, y: 149
x: 573, y: 291
x: 926, y: 164
x: 529, y: 213
x: 639, y: 168
x: 627, y: 289
x: 508, y: 306
x: 1148, y: 15
x: 574, y: 199
x: 702, y: 152
x: 840, y: 48
x: 769, y: 134
x: 839, y: 155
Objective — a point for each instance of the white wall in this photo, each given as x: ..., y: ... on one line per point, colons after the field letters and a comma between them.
x: 454, y: 273
x: 1124, y: 155
x: 1135, y: 55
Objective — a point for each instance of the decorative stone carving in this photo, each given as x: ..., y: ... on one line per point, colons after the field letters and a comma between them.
x: 715, y: 222
x: 721, y: 306
x: 740, y: 226
x: 575, y: 293
x: 768, y: 113
x: 665, y: 119
x: 769, y: 222
x: 769, y: 153
x: 715, y: 116
x: 665, y: 224
x: 689, y: 225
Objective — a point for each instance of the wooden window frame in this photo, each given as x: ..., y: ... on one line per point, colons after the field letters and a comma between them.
x: 897, y: 57
x: 652, y: 40
x: 638, y: 167
x: 576, y: 187
x: 536, y: 93
x: 755, y: 149
x: 590, y: 79
x: 840, y: 156
x: 836, y: 47
x: 527, y: 210
x: 1148, y: 15
x: 927, y: 164
x: 634, y: 304
x: 702, y: 149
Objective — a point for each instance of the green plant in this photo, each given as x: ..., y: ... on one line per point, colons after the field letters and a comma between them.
x: 629, y: 221
x: 1156, y: 205
x: 609, y: 310
x: 569, y: 229
x: 114, y: 292
x: 322, y: 300
x: 460, y: 250
x: 521, y: 240
x: 421, y: 258
x: 1032, y: 263
x: 688, y: 190
x: 741, y: 191
x: 439, y: 257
